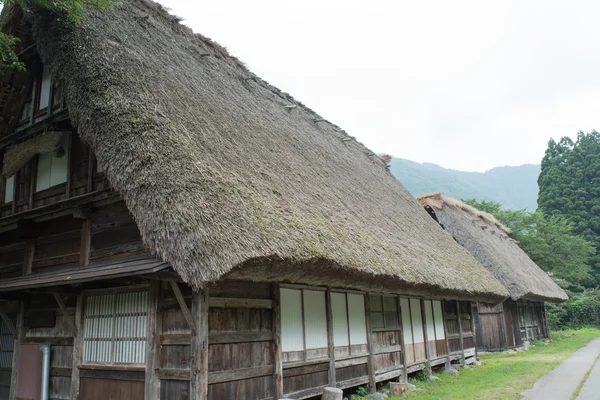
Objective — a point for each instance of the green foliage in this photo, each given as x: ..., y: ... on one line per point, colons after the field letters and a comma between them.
x: 550, y: 241
x: 362, y: 391
x: 74, y: 10
x: 513, y: 187
x: 582, y: 309
x: 569, y: 186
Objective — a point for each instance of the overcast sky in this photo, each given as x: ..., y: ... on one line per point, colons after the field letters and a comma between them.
x: 469, y: 85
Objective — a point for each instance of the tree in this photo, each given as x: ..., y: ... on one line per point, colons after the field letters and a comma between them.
x: 548, y: 240
x: 73, y: 10
x: 569, y: 185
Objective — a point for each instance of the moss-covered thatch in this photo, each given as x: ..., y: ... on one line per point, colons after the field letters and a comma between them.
x: 228, y: 176
x: 489, y: 242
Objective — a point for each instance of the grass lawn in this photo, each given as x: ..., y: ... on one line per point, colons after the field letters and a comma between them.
x: 504, y: 376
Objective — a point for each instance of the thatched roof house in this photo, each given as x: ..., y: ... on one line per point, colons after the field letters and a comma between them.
x: 489, y: 242
x: 227, y: 176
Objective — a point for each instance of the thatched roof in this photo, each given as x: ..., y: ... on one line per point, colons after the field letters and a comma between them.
x: 489, y: 242
x: 226, y: 175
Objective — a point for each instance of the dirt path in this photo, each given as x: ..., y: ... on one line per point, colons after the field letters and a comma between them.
x: 562, y: 382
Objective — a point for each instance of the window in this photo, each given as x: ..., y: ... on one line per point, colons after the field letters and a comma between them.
x: 417, y: 321
x: 115, y: 328
x: 303, y: 321
x: 45, y: 88
x: 384, y: 312
x: 6, y: 343
x: 52, y: 170
x: 439, y: 320
x: 9, y: 190
x: 349, y: 320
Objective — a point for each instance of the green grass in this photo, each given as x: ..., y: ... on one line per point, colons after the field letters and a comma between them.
x: 505, y: 376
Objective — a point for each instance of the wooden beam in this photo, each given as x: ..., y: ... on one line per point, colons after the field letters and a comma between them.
x: 401, y: 331
x: 17, y: 349
x: 152, y: 382
x: 184, y: 307
x: 448, y: 360
x: 199, y: 347
x: 9, y: 324
x: 370, y: 346
x: 90, y: 170
x: 224, y: 302
x: 330, y: 345
x: 28, y: 259
x: 77, y: 346
x: 460, y: 333
x: 63, y: 308
x: 69, y: 166
x: 425, y: 334
x: 278, y: 372
x: 240, y: 374
x: 85, y: 244
x: 32, y: 182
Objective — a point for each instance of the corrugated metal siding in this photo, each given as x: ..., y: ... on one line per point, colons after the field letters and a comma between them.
x: 357, y: 317
x: 439, y: 320
x: 115, y: 327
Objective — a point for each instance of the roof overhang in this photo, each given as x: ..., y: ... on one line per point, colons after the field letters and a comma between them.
x: 122, y: 267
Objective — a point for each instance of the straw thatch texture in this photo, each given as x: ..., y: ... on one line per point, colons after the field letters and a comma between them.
x: 226, y: 174
x: 488, y: 241
x: 17, y: 155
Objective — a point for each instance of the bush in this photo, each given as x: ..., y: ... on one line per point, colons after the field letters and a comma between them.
x: 581, y: 310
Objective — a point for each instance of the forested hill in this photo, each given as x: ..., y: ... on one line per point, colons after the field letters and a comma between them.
x: 513, y: 187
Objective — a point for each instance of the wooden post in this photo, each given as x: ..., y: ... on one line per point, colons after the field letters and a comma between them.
x: 545, y: 321
x: 29, y: 253
x: 397, y: 389
x: 330, y: 345
x: 370, y: 347
x: 403, y: 353
x: 84, y: 248
x: 152, y: 382
x: 199, y: 364
x: 502, y: 322
x: 278, y: 373
x: 17, y: 340
x: 426, y: 336
x: 77, y: 347
x: 460, y: 333
x: 474, y: 330
x: 447, y: 342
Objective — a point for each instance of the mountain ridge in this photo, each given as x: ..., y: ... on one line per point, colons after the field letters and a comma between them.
x: 514, y: 187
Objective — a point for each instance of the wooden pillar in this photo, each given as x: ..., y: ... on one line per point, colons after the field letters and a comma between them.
x: 330, y: 345
x: 17, y: 347
x: 545, y: 321
x: 152, y: 382
x: 370, y: 347
x: 460, y: 333
x: 503, y: 333
x: 426, y: 335
x: 199, y: 364
x: 77, y: 348
x: 447, y: 342
x: 29, y: 253
x: 403, y: 353
x: 473, y: 330
x: 84, y: 248
x: 278, y: 373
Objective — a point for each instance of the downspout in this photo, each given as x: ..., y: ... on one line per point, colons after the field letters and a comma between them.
x: 45, y: 349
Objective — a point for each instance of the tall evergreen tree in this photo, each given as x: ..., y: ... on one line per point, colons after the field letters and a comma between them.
x: 569, y: 185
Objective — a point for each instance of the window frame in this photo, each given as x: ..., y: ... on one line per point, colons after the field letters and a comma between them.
x: 82, y: 336
x: 383, y: 312
x: 346, y: 293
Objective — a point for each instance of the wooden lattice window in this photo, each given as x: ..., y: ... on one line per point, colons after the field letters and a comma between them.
x: 384, y: 312
x: 6, y: 343
x: 115, y: 326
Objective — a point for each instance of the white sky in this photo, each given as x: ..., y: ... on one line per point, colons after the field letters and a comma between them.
x: 469, y: 85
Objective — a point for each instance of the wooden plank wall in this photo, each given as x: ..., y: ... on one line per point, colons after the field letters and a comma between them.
x: 491, y: 333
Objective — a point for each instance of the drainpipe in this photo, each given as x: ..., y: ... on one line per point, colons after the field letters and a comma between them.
x: 45, y: 349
